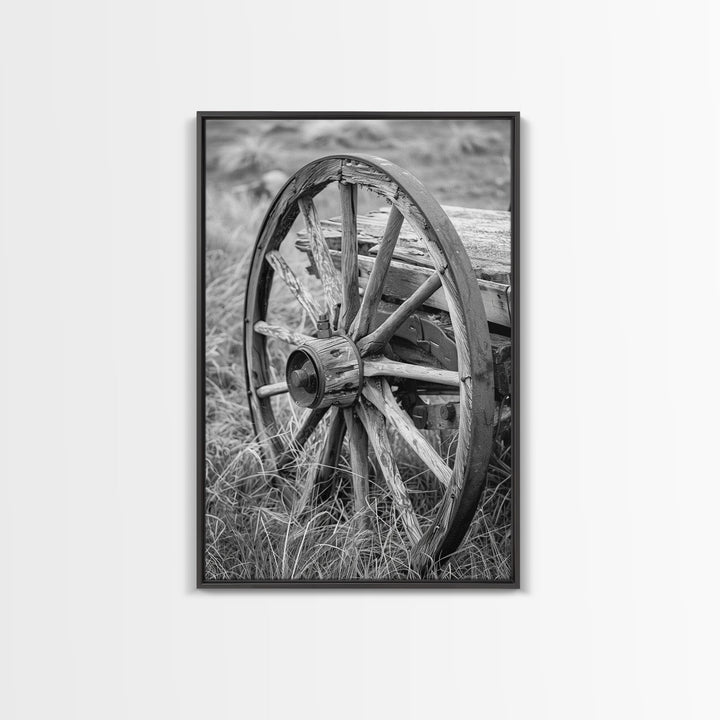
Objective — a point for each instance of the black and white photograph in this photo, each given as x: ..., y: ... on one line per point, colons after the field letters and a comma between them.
x: 357, y: 361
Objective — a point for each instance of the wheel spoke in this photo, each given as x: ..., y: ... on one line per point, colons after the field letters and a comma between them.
x: 349, y: 258
x: 321, y: 474
x: 266, y: 391
x: 374, y: 423
x: 278, y: 264
x: 281, y: 333
x: 307, y: 426
x: 376, y: 340
x: 358, y: 441
x: 378, y: 392
x: 376, y: 281
x: 384, y: 366
x: 321, y: 254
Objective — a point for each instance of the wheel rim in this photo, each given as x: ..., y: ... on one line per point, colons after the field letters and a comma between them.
x: 365, y: 412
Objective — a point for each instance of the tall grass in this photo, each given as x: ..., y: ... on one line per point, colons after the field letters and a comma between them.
x: 257, y: 531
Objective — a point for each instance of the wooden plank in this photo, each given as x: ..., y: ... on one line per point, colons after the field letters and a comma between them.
x: 484, y: 233
x: 404, y: 279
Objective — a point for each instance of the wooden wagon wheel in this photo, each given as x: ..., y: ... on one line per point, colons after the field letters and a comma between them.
x: 341, y: 368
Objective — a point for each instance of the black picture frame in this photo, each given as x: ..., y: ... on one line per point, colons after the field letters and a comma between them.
x: 514, y: 582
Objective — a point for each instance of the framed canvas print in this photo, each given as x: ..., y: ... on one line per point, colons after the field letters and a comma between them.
x: 358, y: 349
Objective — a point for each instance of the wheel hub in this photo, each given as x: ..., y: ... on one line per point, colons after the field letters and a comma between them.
x: 324, y: 372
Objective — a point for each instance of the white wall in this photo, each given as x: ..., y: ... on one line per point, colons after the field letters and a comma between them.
x: 618, y: 615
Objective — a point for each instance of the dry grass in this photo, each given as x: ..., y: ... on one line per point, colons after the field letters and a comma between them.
x: 256, y: 532
x: 253, y: 532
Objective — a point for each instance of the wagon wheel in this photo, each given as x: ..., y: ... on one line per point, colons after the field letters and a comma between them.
x: 340, y: 369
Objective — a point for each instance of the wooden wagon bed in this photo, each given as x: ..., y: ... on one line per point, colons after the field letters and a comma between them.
x: 487, y: 240
x: 484, y: 233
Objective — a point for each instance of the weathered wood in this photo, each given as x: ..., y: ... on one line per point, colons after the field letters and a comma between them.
x: 374, y: 423
x: 323, y: 473
x: 376, y: 281
x: 390, y: 368
x: 443, y: 415
x: 502, y: 363
x: 378, y: 392
x: 358, y: 443
x: 271, y: 390
x: 402, y: 280
x: 376, y: 180
x: 307, y: 427
x: 278, y: 264
x: 324, y: 372
x: 321, y: 255
x: 339, y: 362
x: 485, y: 234
x: 281, y: 333
x: 428, y: 341
x: 377, y: 339
x: 349, y: 262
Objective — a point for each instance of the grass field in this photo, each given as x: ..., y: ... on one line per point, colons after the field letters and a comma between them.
x: 252, y: 531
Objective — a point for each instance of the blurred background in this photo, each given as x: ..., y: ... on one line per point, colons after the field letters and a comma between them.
x: 461, y: 162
